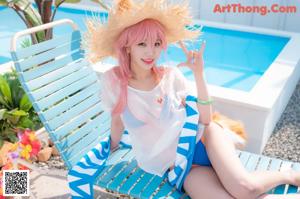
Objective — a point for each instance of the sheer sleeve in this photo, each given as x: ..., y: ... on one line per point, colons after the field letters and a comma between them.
x: 110, y: 90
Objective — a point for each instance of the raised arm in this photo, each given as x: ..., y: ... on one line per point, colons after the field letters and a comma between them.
x: 195, y: 63
x: 202, y: 92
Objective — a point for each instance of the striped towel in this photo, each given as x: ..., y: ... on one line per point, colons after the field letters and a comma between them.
x: 83, y: 175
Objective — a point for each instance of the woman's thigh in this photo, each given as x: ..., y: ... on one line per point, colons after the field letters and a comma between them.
x: 223, y: 157
x: 202, y: 182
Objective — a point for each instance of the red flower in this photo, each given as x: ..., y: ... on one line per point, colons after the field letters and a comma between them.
x: 36, y: 147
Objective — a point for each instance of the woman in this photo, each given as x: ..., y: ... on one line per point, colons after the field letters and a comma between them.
x: 149, y: 101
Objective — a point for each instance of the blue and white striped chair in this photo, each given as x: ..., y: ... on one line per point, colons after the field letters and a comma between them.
x: 65, y: 92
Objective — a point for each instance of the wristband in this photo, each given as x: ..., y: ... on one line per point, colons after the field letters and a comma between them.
x: 204, y: 102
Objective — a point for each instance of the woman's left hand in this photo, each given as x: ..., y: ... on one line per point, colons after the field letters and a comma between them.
x: 194, y: 58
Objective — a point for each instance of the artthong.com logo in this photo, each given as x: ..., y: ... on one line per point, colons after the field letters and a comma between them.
x: 260, y: 9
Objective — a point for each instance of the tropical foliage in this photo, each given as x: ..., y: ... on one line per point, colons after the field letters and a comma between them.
x: 16, y: 111
x: 43, y: 14
x: 2, y: 2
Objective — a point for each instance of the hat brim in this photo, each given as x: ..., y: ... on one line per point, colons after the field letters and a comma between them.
x: 100, y: 37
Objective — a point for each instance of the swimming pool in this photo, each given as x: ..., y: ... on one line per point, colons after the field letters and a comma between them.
x: 251, y: 72
x: 237, y: 58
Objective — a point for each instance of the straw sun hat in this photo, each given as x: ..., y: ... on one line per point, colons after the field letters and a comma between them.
x: 100, y: 37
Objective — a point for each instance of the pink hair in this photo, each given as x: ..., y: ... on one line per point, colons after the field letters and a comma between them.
x: 148, y: 28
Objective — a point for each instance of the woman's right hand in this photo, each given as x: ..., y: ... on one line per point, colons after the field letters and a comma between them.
x: 194, y: 59
x: 172, y: 167
x: 183, y: 102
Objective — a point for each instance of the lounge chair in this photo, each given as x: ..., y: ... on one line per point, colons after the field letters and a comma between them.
x: 65, y: 92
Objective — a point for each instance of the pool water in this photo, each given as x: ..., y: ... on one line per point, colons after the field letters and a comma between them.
x: 233, y: 59
x: 13, y: 24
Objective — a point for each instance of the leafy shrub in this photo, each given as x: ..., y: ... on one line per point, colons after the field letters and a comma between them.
x: 16, y: 111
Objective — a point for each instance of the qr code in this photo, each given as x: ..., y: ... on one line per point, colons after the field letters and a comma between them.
x: 16, y: 183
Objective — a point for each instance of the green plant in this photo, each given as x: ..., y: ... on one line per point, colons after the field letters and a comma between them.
x: 43, y: 14
x: 3, y: 2
x: 16, y: 110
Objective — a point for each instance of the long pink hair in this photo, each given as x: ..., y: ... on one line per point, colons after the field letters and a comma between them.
x: 148, y: 28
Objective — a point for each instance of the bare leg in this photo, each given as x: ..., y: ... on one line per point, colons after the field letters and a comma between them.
x: 234, y: 177
x: 202, y: 182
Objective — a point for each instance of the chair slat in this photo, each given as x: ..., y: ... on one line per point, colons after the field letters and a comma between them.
x: 51, y: 66
x: 286, y: 165
x: 275, y: 164
x: 71, y: 101
x: 88, y: 81
x: 79, y: 109
x: 77, y: 135
x: 73, y: 160
x: 147, y: 193
x: 118, y: 167
x: 49, y: 55
x: 141, y: 185
x: 56, y: 75
x: 131, y: 181
x: 163, y: 191
x: 74, y: 154
x: 112, y: 173
x: 57, y: 85
x: 263, y: 163
x: 74, y: 138
x: 76, y: 149
x: 77, y: 121
x: 113, y: 159
x: 244, y: 157
x: 46, y: 45
x: 252, y: 162
x: 100, y: 121
x: 117, y: 182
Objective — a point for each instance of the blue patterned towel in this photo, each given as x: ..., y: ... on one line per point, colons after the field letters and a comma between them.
x: 83, y: 175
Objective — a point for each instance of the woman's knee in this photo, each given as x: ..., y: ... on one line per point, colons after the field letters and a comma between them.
x: 212, y: 126
x: 245, y: 188
x: 239, y: 186
x: 210, y: 129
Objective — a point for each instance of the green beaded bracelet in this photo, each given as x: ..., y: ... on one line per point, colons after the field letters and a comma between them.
x: 203, y: 102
